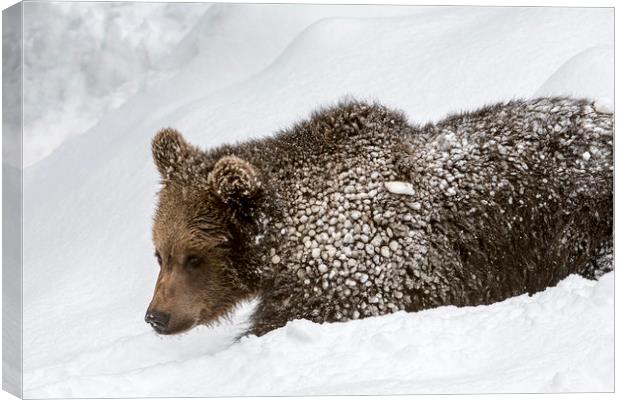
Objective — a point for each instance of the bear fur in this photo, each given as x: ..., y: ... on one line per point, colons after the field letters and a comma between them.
x: 356, y: 212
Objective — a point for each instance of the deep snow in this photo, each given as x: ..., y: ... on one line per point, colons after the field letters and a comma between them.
x: 245, y: 71
x: 523, y: 343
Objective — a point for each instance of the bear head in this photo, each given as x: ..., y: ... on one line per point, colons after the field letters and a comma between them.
x: 199, y: 234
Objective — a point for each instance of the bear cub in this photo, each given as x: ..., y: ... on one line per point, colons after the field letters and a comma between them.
x: 356, y: 212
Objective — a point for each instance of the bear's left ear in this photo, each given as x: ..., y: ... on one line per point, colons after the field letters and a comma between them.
x: 234, y: 179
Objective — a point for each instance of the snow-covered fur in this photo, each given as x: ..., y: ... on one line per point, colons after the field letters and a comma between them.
x: 356, y: 212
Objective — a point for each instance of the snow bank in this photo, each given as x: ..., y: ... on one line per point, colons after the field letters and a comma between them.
x: 587, y: 74
x: 89, y: 270
x: 83, y: 59
x: 556, y: 341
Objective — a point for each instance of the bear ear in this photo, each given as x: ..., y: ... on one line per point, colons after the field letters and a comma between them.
x: 234, y: 179
x: 172, y: 154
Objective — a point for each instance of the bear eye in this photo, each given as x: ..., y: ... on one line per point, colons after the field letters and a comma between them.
x: 158, y: 257
x: 192, y: 262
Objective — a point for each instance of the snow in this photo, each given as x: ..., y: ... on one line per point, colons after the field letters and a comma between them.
x: 517, y: 345
x: 114, y: 50
x: 588, y: 74
x: 400, y: 188
x: 223, y: 73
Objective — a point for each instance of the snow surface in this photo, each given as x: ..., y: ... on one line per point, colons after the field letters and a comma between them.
x: 232, y: 72
x: 542, y: 343
x: 102, y: 53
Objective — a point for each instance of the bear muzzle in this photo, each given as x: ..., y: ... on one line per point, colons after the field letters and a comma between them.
x: 158, y: 320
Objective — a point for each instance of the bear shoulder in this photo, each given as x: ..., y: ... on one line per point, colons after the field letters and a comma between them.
x: 343, y: 122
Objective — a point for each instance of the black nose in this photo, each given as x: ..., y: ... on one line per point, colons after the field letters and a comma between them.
x: 158, y: 320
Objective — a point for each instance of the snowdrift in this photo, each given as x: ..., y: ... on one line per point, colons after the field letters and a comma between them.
x: 244, y: 71
x: 542, y: 343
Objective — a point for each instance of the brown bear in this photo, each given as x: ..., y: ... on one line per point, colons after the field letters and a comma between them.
x: 356, y: 212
